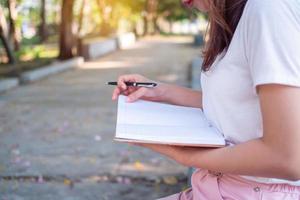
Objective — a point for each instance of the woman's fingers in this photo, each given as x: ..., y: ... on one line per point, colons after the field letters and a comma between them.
x: 131, y: 77
x: 116, y: 93
x: 121, y: 82
x: 131, y: 89
x: 137, y: 95
x: 133, y: 93
x: 126, y: 92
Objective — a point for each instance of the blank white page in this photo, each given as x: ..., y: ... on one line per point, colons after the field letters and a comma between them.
x: 164, y: 123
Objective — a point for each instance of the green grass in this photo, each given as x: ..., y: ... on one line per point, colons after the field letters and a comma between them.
x: 29, y: 57
x: 35, y: 52
x: 30, y: 41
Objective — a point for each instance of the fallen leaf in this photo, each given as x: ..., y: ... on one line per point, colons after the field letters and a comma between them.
x: 67, y: 182
x: 139, y: 166
x: 170, y: 180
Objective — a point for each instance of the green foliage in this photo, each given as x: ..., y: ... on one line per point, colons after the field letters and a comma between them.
x: 36, y: 52
x: 3, y: 3
x: 172, y: 10
x: 30, y: 41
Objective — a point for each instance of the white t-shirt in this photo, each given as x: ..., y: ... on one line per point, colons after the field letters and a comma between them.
x: 265, y: 49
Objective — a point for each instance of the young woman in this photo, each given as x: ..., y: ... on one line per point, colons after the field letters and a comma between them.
x: 251, y: 92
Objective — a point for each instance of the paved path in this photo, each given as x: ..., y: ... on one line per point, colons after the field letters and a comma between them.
x: 57, y: 134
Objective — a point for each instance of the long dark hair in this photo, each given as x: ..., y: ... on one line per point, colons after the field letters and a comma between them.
x: 224, y: 16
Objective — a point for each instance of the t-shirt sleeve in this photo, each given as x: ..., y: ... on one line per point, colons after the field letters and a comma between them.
x: 273, y: 42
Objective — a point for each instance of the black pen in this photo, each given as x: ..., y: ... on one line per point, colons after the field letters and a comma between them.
x: 136, y: 84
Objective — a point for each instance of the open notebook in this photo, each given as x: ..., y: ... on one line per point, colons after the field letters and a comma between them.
x: 152, y: 122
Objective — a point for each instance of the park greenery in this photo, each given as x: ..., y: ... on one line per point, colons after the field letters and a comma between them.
x: 34, y: 32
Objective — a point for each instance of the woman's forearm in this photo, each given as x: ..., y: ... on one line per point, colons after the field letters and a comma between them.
x: 182, y: 96
x: 252, y: 158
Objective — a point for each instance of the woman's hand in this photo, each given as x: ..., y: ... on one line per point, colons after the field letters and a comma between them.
x: 180, y: 154
x: 163, y: 92
x: 135, y: 93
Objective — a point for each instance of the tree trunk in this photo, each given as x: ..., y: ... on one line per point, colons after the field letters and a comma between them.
x: 78, y: 34
x: 66, y: 36
x: 156, y: 26
x: 150, y: 15
x: 146, y: 24
x: 105, y: 28
x: 4, y: 39
x: 9, y: 53
x: 170, y: 26
x: 43, y: 28
x: 81, y: 15
x: 146, y: 18
x: 14, y: 31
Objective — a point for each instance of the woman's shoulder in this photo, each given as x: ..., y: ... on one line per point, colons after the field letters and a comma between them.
x: 257, y: 7
x: 282, y: 10
x: 271, y: 4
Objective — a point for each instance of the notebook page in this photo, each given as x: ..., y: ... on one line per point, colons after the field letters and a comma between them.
x: 163, y: 123
x: 153, y: 113
x: 170, y: 134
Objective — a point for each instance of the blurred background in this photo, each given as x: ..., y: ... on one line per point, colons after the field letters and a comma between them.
x: 35, y: 32
x: 57, y: 129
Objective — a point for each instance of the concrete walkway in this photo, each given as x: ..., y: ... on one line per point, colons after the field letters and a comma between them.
x: 56, y: 135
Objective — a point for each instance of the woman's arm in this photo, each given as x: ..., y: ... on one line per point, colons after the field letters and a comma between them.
x: 182, y: 96
x: 275, y: 155
x: 167, y: 93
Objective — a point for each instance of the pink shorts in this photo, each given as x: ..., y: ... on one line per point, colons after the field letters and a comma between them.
x: 207, y: 185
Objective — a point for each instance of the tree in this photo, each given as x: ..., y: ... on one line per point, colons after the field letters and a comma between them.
x: 4, y: 37
x: 80, y: 24
x: 105, y: 9
x: 150, y: 16
x: 111, y: 12
x: 173, y: 11
x: 43, y: 28
x: 66, y: 35
x: 81, y: 15
x: 14, y: 30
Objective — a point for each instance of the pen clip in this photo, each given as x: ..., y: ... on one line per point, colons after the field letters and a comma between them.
x: 147, y: 85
